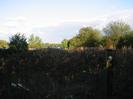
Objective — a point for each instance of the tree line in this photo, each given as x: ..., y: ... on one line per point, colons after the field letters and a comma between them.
x: 114, y: 35
x: 20, y: 42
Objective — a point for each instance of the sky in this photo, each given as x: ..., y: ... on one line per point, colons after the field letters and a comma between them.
x: 55, y: 20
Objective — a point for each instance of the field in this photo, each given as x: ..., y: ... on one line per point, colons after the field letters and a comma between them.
x: 66, y: 74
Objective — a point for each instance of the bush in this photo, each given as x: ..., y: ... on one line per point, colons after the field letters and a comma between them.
x: 18, y: 42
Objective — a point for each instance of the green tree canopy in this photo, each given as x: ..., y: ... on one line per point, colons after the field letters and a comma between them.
x: 18, y: 42
x: 87, y: 36
x: 126, y: 40
x: 115, y: 30
x: 35, y: 42
x: 64, y: 43
x: 74, y: 42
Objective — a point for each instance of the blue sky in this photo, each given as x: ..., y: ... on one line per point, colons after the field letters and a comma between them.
x: 54, y: 20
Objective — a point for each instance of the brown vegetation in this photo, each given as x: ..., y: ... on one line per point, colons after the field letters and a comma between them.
x: 59, y: 74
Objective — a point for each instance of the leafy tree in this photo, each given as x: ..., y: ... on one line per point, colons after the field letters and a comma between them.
x: 103, y: 41
x: 87, y: 36
x: 126, y: 40
x: 74, y: 42
x: 130, y: 39
x: 115, y: 30
x: 64, y: 43
x: 35, y: 42
x: 3, y: 44
x: 106, y: 42
x: 18, y: 42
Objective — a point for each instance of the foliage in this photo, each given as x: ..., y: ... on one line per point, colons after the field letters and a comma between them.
x: 74, y: 42
x: 126, y: 40
x: 65, y: 43
x: 103, y: 41
x: 18, y: 42
x: 115, y: 30
x: 87, y: 37
x: 106, y: 42
x: 3, y: 44
x: 35, y: 42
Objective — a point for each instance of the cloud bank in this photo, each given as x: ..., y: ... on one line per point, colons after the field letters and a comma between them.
x: 57, y: 30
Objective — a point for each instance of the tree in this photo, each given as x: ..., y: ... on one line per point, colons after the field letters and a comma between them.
x: 126, y: 40
x: 74, y: 42
x: 18, y: 42
x: 64, y: 43
x: 35, y: 42
x: 87, y: 37
x: 103, y: 41
x: 115, y: 30
x: 3, y: 44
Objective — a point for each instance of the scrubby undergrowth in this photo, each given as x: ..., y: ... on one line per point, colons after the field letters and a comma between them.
x: 59, y: 74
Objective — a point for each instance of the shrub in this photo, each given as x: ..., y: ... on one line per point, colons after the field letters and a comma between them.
x: 18, y: 42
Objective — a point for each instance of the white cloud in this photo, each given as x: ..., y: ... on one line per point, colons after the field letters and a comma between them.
x: 54, y: 30
x: 14, y: 25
